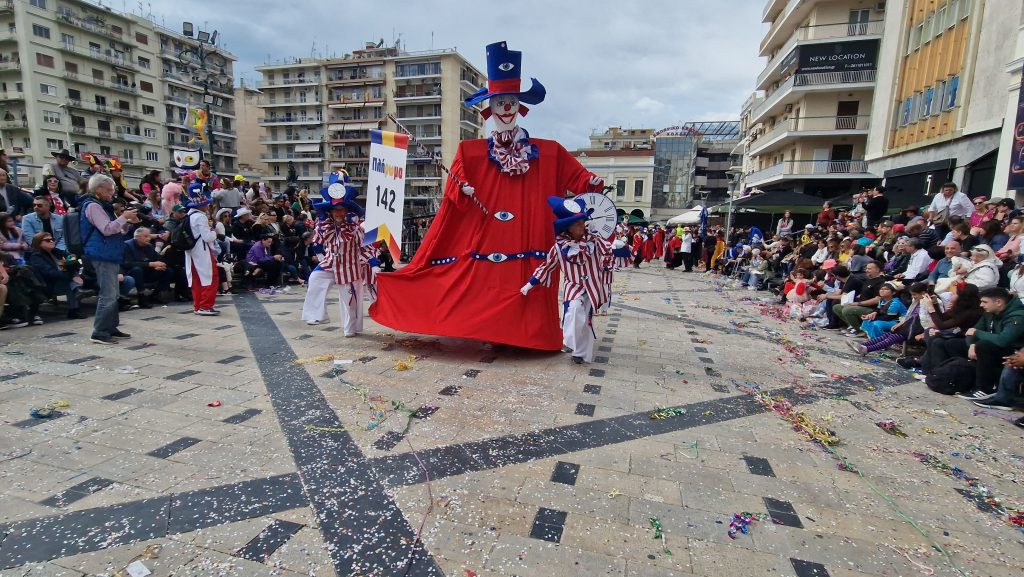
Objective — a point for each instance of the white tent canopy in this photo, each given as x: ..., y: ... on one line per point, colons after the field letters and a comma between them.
x: 691, y: 216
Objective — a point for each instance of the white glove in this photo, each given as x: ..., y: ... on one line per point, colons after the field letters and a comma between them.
x: 526, y: 288
x: 468, y: 190
x: 596, y: 181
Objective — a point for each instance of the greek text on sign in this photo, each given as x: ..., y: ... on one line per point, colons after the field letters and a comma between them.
x: 385, y: 190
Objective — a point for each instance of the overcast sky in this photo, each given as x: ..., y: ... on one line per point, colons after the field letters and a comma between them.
x: 641, y: 64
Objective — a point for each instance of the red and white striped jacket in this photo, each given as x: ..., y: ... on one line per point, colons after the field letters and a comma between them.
x: 583, y: 265
x: 344, y: 254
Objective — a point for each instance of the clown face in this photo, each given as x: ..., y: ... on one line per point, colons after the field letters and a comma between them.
x: 504, y: 110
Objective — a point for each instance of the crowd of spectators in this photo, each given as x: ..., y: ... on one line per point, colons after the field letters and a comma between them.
x: 265, y: 238
x: 942, y: 285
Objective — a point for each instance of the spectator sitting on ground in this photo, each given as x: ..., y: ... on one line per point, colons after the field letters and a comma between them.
x: 1011, y: 378
x: 144, y: 266
x: 998, y: 334
x: 911, y: 327
x: 1010, y: 253
x: 962, y: 233
x: 861, y: 295
x: 960, y: 313
x: 60, y: 276
x: 42, y: 220
x: 944, y: 266
x: 263, y: 262
x: 919, y: 230
x: 887, y: 312
x: 859, y: 260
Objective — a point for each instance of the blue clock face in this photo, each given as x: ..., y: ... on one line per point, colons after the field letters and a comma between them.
x: 602, y: 211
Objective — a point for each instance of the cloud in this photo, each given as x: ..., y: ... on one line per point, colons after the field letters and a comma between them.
x: 604, y: 62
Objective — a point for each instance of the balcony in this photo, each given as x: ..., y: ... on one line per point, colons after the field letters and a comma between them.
x: 107, y: 56
x: 10, y: 65
x: 413, y: 96
x: 11, y: 96
x: 358, y: 102
x: 799, y: 84
x: 184, y: 101
x: 6, y: 6
x: 92, y: 24
x: 809, y: 169
x: 8, y: 36
x: 289, y: 120
x: 290, y: 138
x: 103, y: 109
x: 354, y: 77
x: 349, y: 136
x: 816, y: 35
x: 289, y: 102
x: 294, y: 157
x: 433, y: 119
x: 13, y: 125
x: 793, y: 128
x: 288, y: 82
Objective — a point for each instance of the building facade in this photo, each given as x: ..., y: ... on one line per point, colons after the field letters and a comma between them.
x: 247, y: 127
x: 809, y: 132
x: 1011, y: 140
x: 691, y: 162
x: 624, y: 158
x: 319, y: 117
x: 940, y: 107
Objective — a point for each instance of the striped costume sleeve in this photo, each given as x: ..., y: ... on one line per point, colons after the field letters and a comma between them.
x: 543, y: 273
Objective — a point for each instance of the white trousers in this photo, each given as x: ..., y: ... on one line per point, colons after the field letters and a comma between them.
x: 577, y: 333
x: 350, y: 301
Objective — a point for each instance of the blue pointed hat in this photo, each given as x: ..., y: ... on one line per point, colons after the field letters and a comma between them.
x: 504, y: 77
x: 197, y: 195
x: 339, y: 192
x: 567, y: 211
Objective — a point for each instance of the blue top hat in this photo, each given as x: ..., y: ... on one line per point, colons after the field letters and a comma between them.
x: 339, y: 192
x: 567, y: 211
x: 503, y: 77
x: 197, y: 195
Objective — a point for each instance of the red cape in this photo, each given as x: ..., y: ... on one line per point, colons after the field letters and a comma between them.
x: 479, y: 299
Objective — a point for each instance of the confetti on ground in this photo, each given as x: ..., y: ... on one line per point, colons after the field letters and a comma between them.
x: 892, y: 427
x: 49, y: 410
x: 741, y: 523
x: 316, y: 359
x: 665, y: 413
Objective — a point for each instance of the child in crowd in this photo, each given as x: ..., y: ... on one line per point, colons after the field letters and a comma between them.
x: 890, y: 308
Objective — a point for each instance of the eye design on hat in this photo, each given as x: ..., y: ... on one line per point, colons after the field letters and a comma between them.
x: 572, y: 206
x: 504, y: 216
x: 506, y: 66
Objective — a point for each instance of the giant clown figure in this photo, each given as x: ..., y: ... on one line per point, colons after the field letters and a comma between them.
x: 464, y: 280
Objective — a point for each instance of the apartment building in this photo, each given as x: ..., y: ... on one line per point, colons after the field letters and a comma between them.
x: 624, y: 158
x: 247, y: 127
x: 293, y: 120
x: 807, y: 131
x: 319, y: 116
x: 941, y: 107
x: 77, y: 76
x: 189, y: 83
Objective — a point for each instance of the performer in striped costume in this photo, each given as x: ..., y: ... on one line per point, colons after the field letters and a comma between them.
x: 584, y: 259
x: 344, y: 261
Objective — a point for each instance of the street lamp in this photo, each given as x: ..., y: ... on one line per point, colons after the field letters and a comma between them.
x: 208, y: 68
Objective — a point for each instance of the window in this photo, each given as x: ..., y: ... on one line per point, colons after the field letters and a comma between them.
x: 74, y: 94
x: 44, y: 60
x: 40, y: 31
x: 152, y: 156
x: 940, y: 20
x: 48, y: 89
x: 68, y: 40
x: 144, y: 62
x: 51, y: 117
x: 54, y: 144
x: 638, y: 188
x: 905, y: 116
x: 966, y: 9
x: 70, y: 67
x: 620, y: 188
x: 940, y: 92
x: 103, y: 125
x: 97, y: 75
x: 38, y: 3
x: 951, y: 89
x: 145, y: 86
x: 918, y: 34
x: 78, y: 121
x: 141, y: 38
x: 150, y: 133
x: 926, y: 106
x: 915, y: 107
x: 101, y: 100
x: 148, y: 110
x: 94, y: 48
x: 927, y: 32
x: 124, y: 129
x: 953, y: 14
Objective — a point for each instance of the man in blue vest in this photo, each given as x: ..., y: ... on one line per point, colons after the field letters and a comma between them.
x: 103, y: 235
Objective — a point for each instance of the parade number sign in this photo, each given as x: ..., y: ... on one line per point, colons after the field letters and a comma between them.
x: 385, y: 190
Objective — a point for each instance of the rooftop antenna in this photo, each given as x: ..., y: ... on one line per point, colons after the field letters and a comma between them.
x: 431, y: 39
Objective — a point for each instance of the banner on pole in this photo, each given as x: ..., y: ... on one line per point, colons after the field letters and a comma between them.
x: 1016, y: 180
x: 385, y: 190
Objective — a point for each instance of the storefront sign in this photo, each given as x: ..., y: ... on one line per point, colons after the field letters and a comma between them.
x: 837, y: 56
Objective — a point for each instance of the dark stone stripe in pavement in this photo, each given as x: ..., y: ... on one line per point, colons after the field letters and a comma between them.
x: 759, y: 466
x: 174, y: 447
x: 363, y: 528
x: 17, y: 375
x: 548, y: 525
x: 181, y: 375
x: 83, y: 360
x: 585, y: 409
x: 808, y: 568
x: 269, y: 540
x: 565, y: 473
x: 496, y: 452
x: 242, y: 417
x: 782, y: 512
x: 592, y: 389
x: 45, y: 538
x: 77, y: 492
x: 121, y: 394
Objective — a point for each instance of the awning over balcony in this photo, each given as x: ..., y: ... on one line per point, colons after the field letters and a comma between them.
x: 776, y: 201
x: 314, y: 147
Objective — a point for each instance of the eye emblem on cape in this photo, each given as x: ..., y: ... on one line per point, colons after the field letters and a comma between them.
x: 506, y: 66
x: 336, y: 190
x: 496, y: 257
x: 504, y: 216
x: 572, y: 206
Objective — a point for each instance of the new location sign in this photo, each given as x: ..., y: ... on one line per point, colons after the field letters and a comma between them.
x: 385, y: 190
x: 837, y: 56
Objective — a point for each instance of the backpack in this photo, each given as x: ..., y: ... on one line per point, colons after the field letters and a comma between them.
x: 181, y: 237
x: 954, y: 375
x: 73, y: 232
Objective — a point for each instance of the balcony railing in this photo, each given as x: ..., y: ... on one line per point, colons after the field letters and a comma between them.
x: 809, y: 168
x: 811, y: 124
x: 13, y: 124
x: 777, y: 23
x: 284, y: 101
x: 6, y: 5
x: 819, y: 32
x: 90, y: 25
x: 291, y: 138
x: 424, y: 94
x: 11, y: 96
x: 10, y: 65
x: 811, y: 79
x: 97, y: 55
x: 103, y: 108
x: 290, y: 120
x: 288, y: 82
